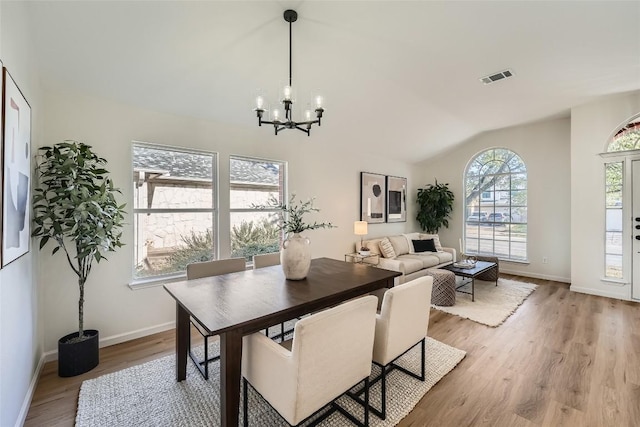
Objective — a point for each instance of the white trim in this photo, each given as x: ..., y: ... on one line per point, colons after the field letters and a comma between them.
x: 614, y: 282
x: 535, y: 275
x: 26, y: 403
x: 600, y: 293
x: 155, y: 281
x: 120, y: 338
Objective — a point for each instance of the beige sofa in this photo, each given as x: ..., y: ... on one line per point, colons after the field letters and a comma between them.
x: 406, y: 261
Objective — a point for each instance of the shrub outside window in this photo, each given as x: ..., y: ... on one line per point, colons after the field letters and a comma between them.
x: 253, y: 182
x: 496, y: 205
x: 174, y: 209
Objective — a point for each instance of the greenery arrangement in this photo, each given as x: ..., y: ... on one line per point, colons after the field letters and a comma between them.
x: 435, y: 204
x: 75, y: 207
x: 291, y: 215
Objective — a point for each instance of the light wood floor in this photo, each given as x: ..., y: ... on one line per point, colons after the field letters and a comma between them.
x: 563, y: 358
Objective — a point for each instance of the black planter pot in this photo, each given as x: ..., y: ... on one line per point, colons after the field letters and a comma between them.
x: 78, y: 357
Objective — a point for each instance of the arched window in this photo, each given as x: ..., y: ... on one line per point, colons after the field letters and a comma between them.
x: 496, y: 205
x: 626, y: 139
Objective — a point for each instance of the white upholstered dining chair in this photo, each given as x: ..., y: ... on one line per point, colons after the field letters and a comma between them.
x: 330, y: 353
x: 401, y: 325
x: 198, y: 270
x: 266, y: 260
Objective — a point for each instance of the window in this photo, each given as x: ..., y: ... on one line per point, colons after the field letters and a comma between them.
x: 174, y: 209
x: 252, y: 183
x: 613, y: 220
x: 496, y: 205
x: 625, y: 142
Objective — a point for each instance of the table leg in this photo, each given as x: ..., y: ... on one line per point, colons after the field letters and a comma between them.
x: 183, y: 339
x: 230, y: 373
x: 473, y: 289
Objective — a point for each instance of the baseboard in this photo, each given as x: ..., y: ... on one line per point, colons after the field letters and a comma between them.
x: 26, y: 404
x: 120, y: 338
x: 600, y: 293
x: 128, y: 336
x: 535, y: 275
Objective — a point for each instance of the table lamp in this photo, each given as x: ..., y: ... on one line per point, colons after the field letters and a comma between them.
x: 360, y: 229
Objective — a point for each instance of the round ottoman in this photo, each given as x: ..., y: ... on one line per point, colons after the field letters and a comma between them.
x: 444, y: 287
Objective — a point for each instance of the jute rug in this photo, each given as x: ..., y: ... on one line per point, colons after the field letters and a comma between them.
x: 148, y: 394
x: 493, y: 304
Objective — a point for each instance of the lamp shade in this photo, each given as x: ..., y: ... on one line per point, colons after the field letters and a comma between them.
x: 360, y: 228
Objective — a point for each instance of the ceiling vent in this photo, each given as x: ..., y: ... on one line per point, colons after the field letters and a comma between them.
x: 497, y: 76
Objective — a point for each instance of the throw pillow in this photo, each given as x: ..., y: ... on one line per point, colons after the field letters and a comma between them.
x: 387, y: 248
x: 424, y: 246
x: 436, y: 240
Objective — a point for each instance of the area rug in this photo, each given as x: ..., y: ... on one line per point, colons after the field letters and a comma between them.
x: 493, y: 304
x: 148, y: 394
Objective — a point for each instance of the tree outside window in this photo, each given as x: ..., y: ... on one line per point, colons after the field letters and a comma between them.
x: 496, y: 205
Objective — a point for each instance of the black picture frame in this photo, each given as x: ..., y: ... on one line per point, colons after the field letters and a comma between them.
x: 396, y: 199
x: 373, y: 197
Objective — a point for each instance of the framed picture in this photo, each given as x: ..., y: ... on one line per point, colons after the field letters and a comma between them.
x: 373, y: 194
x: 396, y: 199
x: 16, y: 174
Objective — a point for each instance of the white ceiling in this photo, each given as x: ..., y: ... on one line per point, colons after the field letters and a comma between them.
x: 405, y: 73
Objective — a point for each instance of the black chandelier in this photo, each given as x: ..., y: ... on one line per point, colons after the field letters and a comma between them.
x: 279, y: 123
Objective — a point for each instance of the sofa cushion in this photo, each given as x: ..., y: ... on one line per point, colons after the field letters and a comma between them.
x: 426, y: 259
x: 386, y: 248
x: 410, y: 265
x: 426, y: 245
x: 400, y: 245
x: 436, y: 240
x: 443, y: 256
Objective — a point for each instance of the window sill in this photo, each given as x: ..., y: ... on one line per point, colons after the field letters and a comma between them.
x: 154, y: 282
x: 614, y: 282
x: 515, y: 261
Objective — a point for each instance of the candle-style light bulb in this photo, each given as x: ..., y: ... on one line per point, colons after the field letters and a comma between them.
x: 287, y: 93
x: 307, y: 115
x: 319, y: 101
x: 259, y: 102
x: 276, y: 115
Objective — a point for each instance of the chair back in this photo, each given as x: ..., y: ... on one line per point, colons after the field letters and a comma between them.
x: 332, y: 350
x: 403, y: 320
x: 266, y: 260
x: 217, y: 267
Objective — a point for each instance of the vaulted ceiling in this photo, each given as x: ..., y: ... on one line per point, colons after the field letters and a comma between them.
x: 404, y: 73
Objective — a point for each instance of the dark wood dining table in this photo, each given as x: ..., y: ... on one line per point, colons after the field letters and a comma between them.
x: 237, y: 304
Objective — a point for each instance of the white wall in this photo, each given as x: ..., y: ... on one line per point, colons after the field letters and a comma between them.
x: 111, y: 306
x: 20, y: 324
x: 544, y: 147
x: 592, y: 125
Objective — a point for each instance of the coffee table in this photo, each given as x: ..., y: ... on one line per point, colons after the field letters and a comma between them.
x: 471, y: 273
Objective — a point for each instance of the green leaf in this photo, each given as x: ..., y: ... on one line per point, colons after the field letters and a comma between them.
x: 44, y: 241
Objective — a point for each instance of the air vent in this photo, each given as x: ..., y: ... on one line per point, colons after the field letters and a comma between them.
x: 497, y: 76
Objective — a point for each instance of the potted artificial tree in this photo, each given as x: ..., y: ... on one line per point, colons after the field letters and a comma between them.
x: 435, y: 204
x: 75, y: 208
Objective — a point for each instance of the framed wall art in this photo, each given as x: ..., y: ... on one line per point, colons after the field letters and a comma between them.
x: 373, y: 194
x: 396, y: 199
x: 16, y: 174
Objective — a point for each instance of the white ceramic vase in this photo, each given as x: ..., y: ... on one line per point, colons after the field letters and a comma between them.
x: 295, y: 257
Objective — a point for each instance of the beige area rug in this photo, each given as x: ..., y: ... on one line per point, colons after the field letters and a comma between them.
x: 493, y: 304
x: 148, y: 394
